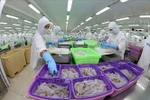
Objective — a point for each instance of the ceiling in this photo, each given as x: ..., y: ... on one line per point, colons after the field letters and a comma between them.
x: 56, y: 11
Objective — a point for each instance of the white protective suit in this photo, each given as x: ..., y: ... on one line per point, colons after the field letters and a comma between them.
x: 118, y: 38
x: 101, y: 35
x: 53, y: 35
x: 38, y: 42
x: 144, y: 60
x: 88, y: 34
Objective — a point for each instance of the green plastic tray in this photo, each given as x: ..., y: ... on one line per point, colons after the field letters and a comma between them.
x: 92, y: 57
x: 91, y: 43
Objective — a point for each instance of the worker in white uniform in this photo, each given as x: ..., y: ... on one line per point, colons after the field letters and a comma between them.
x: 38, y: 48
x: 117, y: 40
x: 101, y: 35
x: 53, y: 36
x: 144, y: 60
x: 88, y: 32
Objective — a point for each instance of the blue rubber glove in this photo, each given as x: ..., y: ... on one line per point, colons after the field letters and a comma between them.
x: 50, y: 43
x: 61, y: 39
x: 104, y: 44
x: 51, y: 63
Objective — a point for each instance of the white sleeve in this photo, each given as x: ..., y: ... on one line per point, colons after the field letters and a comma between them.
x: 40, y: 44
x: 122, y: 43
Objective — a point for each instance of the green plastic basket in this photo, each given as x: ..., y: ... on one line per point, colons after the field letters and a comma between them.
x: 92, y: 57
x: 4, y: 46
x: 91, y: 43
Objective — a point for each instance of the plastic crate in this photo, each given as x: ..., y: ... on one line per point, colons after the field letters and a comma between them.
x: 90, y: 57
x: 91, y: 43
x: 95, y: 97
x: 105, y: 64
x: 120, y: 73
x: 66, y: 66
x: 41, y: 73
x: 62, y: 59
x: 129, y: 69
x: 137, y: 68
x: 121, y: 62
x: 90, y: 66
x: 37, y: 82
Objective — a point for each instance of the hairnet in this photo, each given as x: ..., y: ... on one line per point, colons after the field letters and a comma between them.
x: 114, y: 26
x: 57, y: 29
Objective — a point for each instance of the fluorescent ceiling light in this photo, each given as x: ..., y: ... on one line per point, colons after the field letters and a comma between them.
x: 33, y: 27
x: 82, y: 23
x: 88, y: 19
x: 8, y: 27
x: 134, y: 25
x: 69, y: 5
x: 95, y: 25
x: 66, y: 22
x: 13, y: 17
x: 140, y: 29
x: 145, y: 16
x: 78, y: 26
x: 16, y: 24
x: 27, y: 21
x: 27, y: 26
x: 120, y: 19
x: 103, y: 10
x: 35, y: 24
x: 98, y: 28
x: 67, y: 17
x: 148, y: 25
x: 3, y: 23
x: 11, y: 30
x: 123, y: 1
x: 33, y: 8
x: 105, y: 22
x: 18, y: 28
x: 2, y: 30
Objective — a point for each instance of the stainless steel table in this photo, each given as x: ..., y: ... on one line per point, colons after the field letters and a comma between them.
x: 139, y: 91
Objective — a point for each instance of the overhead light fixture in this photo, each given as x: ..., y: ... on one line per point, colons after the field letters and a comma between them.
x: 134, y: 25
x: 119, y: 25
x: 11, y: 30
x: 8, y: 27
x: 2, y: 30
x: 98, y: 28
x: 105, y: 22
x: 4, y: 23
x: 13, y: 17
x: 95, y: 25
x: 123, y: 1
x: 88, y: 19
x: 18, y: 28
x: 33, y: 8
x: 33, y: 27
x: 27, y: 21
x: 145, y: 16
x: 103, y: 10
x: 148, y: 25
x: 35, y: 24
x: 82, y: 23
x: 27, y: 26
x: 16, y: 24
x: 66, y: 22
x: 78, y: 26
x: 141, y: 29
x: 67, y: 17
x: 120, y: 19
x: 69, y: 5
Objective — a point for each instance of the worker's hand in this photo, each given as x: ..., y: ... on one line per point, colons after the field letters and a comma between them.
x: 52, y: 68
x: 51, y: 63
x: 104, y: 44
x: 61, y: 39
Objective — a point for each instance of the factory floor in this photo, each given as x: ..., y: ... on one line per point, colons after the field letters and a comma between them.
x: 20, y: 83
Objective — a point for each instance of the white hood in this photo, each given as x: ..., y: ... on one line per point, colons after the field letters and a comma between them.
x: 42, y: 23
x: 114, y: 27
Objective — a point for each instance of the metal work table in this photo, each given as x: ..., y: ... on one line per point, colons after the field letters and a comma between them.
x: 139, y: 91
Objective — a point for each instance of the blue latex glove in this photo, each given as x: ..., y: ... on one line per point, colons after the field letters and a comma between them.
x: 104, y: 44
x: 51, y: 63
x: 61, y: 39
x: 50, y: 43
